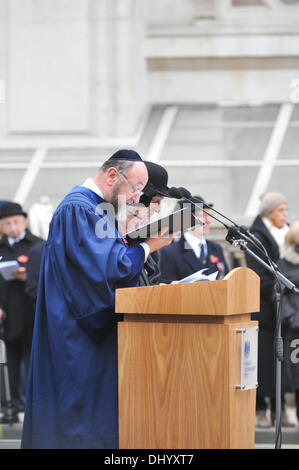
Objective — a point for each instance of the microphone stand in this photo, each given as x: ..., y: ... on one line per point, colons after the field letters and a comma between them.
x: 235, y: 237
x: 240, y: 236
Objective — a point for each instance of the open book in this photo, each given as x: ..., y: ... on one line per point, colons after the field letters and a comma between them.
x: 178, y: 221
x: 199, y: 276
x: 7, y: 268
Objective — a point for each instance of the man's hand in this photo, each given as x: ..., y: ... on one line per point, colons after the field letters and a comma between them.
x: 160, y: 240
x: 20, y: 274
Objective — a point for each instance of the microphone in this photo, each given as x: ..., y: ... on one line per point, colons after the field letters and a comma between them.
x: 187, y: 195
x: 233, y: 231
x: 175, y: 193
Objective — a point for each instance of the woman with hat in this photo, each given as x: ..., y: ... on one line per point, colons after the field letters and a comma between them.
x: 270, y: 227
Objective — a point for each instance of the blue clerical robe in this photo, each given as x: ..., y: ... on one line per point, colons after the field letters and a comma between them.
x: 71, y: 397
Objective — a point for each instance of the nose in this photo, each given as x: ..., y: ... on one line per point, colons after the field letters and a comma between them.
x: 136, y: 198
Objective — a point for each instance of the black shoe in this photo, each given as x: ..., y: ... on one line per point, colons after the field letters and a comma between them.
x: 19, y: 406
x: 6, y: 419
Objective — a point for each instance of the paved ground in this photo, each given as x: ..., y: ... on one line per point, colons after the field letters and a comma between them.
x: 10, y: 436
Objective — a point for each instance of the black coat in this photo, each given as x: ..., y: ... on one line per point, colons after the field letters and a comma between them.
x: 178, y: 260
x: 16, y: 303
x: 266, y: 316
x: 151, y: 274
x: 33, y: 268
x: 289, y: 266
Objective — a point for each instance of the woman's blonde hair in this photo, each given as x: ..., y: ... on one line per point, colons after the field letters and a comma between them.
x: 292, y: 235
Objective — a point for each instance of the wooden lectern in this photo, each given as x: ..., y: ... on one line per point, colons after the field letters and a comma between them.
x: 179, y: 353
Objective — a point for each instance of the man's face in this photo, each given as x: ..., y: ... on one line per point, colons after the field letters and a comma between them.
x: 206, y: 219
x: 127, y: 187
x: 140, y: 215
x: 155, y: 205
x: 14, y: 225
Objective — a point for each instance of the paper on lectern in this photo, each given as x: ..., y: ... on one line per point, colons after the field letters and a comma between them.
x: 199, y: 276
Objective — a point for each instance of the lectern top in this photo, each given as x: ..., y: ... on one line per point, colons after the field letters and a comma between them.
x: 237, y: 293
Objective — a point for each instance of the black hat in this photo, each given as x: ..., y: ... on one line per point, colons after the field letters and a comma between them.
x: 124, y: 154
x: 157, y: 180
x: 2, y: 202
x: 11, y: 208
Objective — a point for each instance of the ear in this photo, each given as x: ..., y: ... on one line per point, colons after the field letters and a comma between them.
x: 112, y: 176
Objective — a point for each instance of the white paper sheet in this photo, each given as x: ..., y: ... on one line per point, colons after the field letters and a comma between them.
x: 7, y: 268
x: 199, y: 276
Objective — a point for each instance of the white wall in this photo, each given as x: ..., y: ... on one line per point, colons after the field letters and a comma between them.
x: 72, y: 66
x: 91, y: 67
x: 48, y: 72
x: 245, y: 54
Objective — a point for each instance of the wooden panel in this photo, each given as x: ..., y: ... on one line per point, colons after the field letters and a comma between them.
x: 173, y: 385
x: 177, y: 387
x: 178, y: 370
x: 237, y: 293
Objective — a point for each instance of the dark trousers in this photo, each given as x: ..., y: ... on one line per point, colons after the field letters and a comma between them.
x: 261, y: 403
x: 17, y: 350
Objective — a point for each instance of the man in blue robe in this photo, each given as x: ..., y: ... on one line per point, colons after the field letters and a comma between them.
x: 72, y: 386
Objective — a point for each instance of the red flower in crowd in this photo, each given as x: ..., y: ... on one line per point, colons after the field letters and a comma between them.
x: 220, y: 266
x: 214, y: 259
x: 23, y: 258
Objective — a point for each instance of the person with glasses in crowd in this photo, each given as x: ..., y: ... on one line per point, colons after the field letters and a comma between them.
x: 72, y: 396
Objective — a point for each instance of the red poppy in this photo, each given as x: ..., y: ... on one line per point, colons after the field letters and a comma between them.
x: 220, y: 266
x: 214, y: 259
x: 23, y: 258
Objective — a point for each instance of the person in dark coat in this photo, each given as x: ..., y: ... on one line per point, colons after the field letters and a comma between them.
x: 270, y: 227
x: 289, y: 266
x: 17, y: 310
x: 193, y: 252
x: 33, y: 268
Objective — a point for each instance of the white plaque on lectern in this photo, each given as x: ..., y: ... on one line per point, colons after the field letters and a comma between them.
x: 249, y: 349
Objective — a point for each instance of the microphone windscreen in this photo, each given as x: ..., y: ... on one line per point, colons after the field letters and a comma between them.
x: 185, y: 193
x: 175, y: 193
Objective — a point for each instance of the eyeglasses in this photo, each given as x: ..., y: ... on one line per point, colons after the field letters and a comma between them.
x: 135, y: 191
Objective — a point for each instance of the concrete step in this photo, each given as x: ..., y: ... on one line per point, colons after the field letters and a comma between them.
x: 10, y: 435
x: 265, y: 438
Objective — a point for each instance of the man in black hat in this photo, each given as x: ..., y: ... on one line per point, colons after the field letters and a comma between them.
x: 16, y: 307
x: 72, y: 394
x: 150, y: 203
x: 193, y: 251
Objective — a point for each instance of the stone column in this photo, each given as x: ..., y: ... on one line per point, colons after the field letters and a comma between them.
x: 117, y: 67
